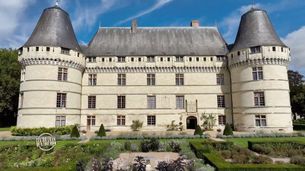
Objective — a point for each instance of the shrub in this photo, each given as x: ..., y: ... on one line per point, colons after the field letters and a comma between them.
x: 261, y: 149
x: 127, y: 145
x: 298, y: 126
x: 101, y: 132
x: 228, y: 130
x: 226, y: 154
x: 75, y: 132
x: 139, y: 164
x: 299, y: 160
x: 136, y: 125
x: 150, y: 145
x: 64, y: 130
x: 198, y: 131
x: 174, y: 146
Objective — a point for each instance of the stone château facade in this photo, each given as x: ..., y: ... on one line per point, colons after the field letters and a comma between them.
x: 156, y: 75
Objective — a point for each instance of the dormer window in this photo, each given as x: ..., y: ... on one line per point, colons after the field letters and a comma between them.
x: 139, y: 59
x: 168, y: 59
x: 28, y: 49
x: 179, y: 59
x: 190, y: 59
x: 282, y: 49
x: 273, y: 49
x: 48, y: 49
x: 238, y: 53
x: 150, y: 59
x: 161, y: 59
x: 91, y: 59
x: 121, y: 59
x: 132, y: 59
x: 110, y: 59
x: 65, y: 51
x: 37, y: 49
x: 197, y: 59
x: 255, y: 49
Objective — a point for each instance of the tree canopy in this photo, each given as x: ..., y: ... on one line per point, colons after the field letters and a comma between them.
x: 297, y: 93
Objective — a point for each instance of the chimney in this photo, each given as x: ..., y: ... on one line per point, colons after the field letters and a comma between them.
x: 195, y: 23
x: 134, y: 25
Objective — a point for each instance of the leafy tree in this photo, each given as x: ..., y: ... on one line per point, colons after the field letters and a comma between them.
x: 136, y: 125
x: 9, y: 86
x: 228, y: 130
x: 297, y: 93
x: 101, y: 132
x: 209, y: 121
x: 75, y: 132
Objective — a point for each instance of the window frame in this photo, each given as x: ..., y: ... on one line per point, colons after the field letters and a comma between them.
x: 179, y: 79
x: 257, y: 73
x: 60, y: 120
x: 121, y: 79
x: 121, y: 120
x: 180, y: 102
x: 61, y: 100
x: 121, y: 102
x: 220, y: 79
x: 62, y: 74
x: 179, y: 59
x: 260, y: 120
x: 91, y: 102
x: 221, y: 102
x: 151, y: 120
x: 150, y: 59
x: 259, y: 99
x: 151, y: 102
x: 151, y: 79
x: 222, y: 120
x: 92, y: 79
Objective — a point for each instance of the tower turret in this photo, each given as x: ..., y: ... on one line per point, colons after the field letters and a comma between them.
x: 52, y: 66
x: 258, y: 63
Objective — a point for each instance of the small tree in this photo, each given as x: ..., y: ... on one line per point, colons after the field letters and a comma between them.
x: 228, y: 130
x: 136, y: 125
x: 101, y: 132
x: 198, y: 131
x: 75, y: 132
x: 209, y: 121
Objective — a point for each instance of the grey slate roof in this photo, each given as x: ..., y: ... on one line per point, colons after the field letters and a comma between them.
x: 122, y: 41
x: 255, y: 29
x: 54, y: 28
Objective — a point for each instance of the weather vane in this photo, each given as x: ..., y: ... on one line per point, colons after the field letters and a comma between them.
x: 57, y: 2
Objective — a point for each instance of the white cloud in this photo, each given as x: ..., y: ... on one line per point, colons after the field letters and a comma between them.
x: 231, y: 23
x: 295, y: 40
x: 157, y: 5
x: 13, y: 29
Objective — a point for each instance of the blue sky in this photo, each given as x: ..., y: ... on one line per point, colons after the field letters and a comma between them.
x: 20, y: 16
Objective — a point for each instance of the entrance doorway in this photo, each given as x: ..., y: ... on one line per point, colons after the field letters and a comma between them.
x: 191, y: 122
x: 90, y: 122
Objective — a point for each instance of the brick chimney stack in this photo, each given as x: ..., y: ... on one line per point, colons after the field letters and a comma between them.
x: 134, y: 25
x: 195, y: 23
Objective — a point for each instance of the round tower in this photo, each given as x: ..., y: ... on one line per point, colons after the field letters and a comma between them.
x: 52, y: 66
x: 258, y: 64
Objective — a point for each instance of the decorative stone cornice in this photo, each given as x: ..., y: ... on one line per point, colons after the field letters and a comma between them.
x: 262, y: 61
x: 51, y: 61
x: 154, y: 69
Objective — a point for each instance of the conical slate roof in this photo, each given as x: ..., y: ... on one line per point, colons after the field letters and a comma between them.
x: 54, y: 28
x: 255, y: 29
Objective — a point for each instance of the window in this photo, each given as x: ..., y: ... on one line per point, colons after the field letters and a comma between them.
x: 139, y: 59
x: 37, y: 48
x: 91, y: 120
x: 197, y: 59
x: 61, y: 100
x: 121, y: 102
x: 110, y: 59
x: 48, y: 49
x: 150, y: 59
x: 77, y: 54
x: 28, y: 49
x: 151, y: 79
x: 132, y: 59
x: 282, y: 49
x: 121, y: 59
x: 256, y: 49
x: 121, y: 79
x: 60, y: 121
x: 103, y: 59
x: 257, y: 73
x: 221, y: 101
x: 92, y: 80
x: 91, y: 59
x: 204, y: 59
x: 161, y: 59
x: 62, y: 74
x: 220, y: 79
x: 179, y: 59
x: 21, y: 100
x: 211, y: 58
x: 151, y: 102
x: 260, y: 120
x: 151, y: 120
x: 121, y: 119
x: 23, y: 75
x: 180, y: 102
x: 91, y: 102
x: 65, y: 51
x: 273, y: 49
x: 259, y: 99
x: 221, y: 119
x: 168, y: 59
x: 179, y: 79
x: 238, y: 53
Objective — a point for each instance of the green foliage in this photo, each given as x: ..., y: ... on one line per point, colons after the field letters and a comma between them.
x: 174, y: 146
x: 101, y: 132
x: 75, y: 132
x: 298, y: 127
x: 198, y: 131
x: 299, y: 160
x: 174, y: 127
x: 228, y: 130
x: 209, y: 121
x: 64, y: 130
x: 297, y: 92
x: 136, y: 125
x: 150, y: 145
x: 9, y: 86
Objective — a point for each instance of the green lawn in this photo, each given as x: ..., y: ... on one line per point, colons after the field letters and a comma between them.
x: 5, y: 129
x: 243, y: 142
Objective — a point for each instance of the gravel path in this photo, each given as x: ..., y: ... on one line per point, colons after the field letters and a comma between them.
x: 5, y: 134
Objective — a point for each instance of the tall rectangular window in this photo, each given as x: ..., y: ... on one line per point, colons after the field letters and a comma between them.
x: 179, y: 59
x: 151, y: 102
x: 259, y: 99
x: 151, y: 120
x: 121, y: 119
x: 91, y: 102
x: 180, y: 102
x: 121, y: 79
x: 257, y: 73
x: 92, y: 80
x: 21, y: 100
x: 91, y: 121
x: 221, y: 119
x: 220, y: 79
x: 61, y: 100
x: 65, y: 51
x: 260, y: 120
x: 256, y: 49
x: 121, y: 103
x: 62, y: 74
x: 221, y: 101
x: 60, y: 121
x: 91, y: 59
x: 179, y: 79
x: 150, y: 59
x: 121, y: 59
x: 151, y: 79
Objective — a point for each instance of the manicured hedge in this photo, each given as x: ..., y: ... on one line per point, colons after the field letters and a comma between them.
x: 295, y: 143
x: 37, y: 131
x: 214, y: 159
x: 297, y: 126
